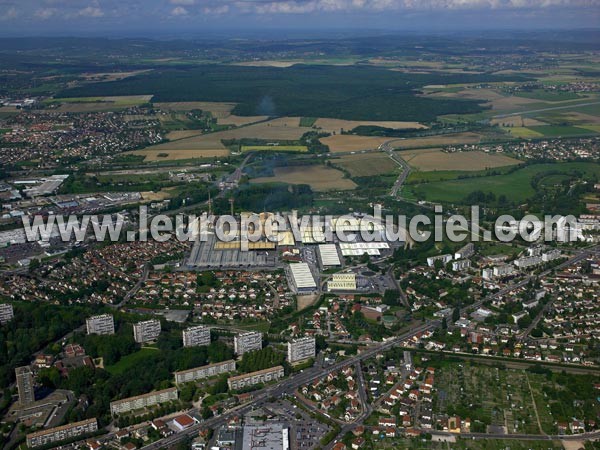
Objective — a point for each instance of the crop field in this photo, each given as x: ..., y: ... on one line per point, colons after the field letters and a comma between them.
x: 341, y: 143
x: 515, y: 185
x: 523, y: 132
x: 151, y: 155
x: 435, y: 159
x: 338, y: 125
x: 211, y: 145
x: 558, y: 130
x: 274, y: 148
x: 553, y: 131
x: 320, y: 178
x: 366, y: 164
x: 437, y: 141
x: 240, y: 121
x: 517, y: 121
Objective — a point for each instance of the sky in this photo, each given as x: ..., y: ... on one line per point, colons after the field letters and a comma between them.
x: 148, y: 17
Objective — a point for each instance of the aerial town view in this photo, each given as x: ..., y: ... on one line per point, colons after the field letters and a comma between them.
x: 300, y: 224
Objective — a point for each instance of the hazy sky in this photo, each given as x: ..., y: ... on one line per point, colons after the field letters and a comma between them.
x: 35, y: 17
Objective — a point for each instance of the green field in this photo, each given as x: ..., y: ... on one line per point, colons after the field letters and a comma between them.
x: 417, y: 177
x: 274, y: 148
x: 307, y: 121
x: 560, y: 131
x: 548, y: 96
x: 523, y: 132
x: 128, y: 362
x: 516, y: 185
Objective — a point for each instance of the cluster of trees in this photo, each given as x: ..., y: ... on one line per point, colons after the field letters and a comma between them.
x: 34, y: 327
x: 205, y: 281
x: 273, y: 197
x: 260, y: 359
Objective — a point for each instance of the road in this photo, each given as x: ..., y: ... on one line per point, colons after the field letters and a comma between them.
x: 387, y: 148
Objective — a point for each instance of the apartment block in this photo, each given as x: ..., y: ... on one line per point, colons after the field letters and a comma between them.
x: 528, y: 261
x: 196, y: 336
x: 199, y: 373
x: 247, y: 342
x: 102, y: 324
x: 25, y: 385
x: 146, y: 331
x: 301, y: 349
x: 465, y: 252
x: 69, y: 431
x: 143, y: 401
x: 253, y: 378
x: 6, y: 313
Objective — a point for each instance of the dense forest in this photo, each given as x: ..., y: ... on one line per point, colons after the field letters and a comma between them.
x: 354, y: 92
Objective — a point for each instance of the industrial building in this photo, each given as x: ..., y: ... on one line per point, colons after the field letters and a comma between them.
x: 302, y: 280
x: 329, y: 255
x: 102, y: 324
x: 6, y: 313
x: 342, y: 282
x: 196, y: 336
x: 253, y: 378
x: 69, y: 431
x: 271, y: 436
x: 301, y: 349
x: 198, y: 373
x: 247, y: 342
x: 45, y: 186
x: 362, y: 248
x: 143, y: 401
x: 210, y: 253
x: 25, y: 385
x: 146, y: 331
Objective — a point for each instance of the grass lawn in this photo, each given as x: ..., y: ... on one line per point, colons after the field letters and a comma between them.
x: 516, y: 186
x: 131, y: 361
x: 263, y: 326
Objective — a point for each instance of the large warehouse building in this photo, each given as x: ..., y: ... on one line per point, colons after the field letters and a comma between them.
x: 302, y: 280
x: 329, y: 255
x: 342, y: 282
